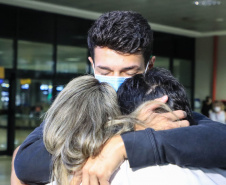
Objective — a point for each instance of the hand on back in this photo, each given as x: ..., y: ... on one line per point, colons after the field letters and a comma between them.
x: 161, y: 121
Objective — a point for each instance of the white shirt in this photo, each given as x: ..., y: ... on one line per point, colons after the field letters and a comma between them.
x: 168, y: 175
x: 220, y: 117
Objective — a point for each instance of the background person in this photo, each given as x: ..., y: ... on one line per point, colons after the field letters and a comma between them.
x: 217, y: 112
x: 206, y: 106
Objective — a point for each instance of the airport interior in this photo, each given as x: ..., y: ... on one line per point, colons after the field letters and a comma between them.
x: 43, y: 46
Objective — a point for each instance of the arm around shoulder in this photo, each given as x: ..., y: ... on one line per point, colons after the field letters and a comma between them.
x: 201, y: 145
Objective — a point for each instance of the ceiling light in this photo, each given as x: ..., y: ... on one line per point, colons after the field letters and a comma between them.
x: 73, y: 59
x: 196, y: 3
x: 219, y: 19
x: 207, y: 2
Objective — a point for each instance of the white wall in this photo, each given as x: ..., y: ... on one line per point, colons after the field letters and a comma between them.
x: 204, y: 68
x: 221, y: 69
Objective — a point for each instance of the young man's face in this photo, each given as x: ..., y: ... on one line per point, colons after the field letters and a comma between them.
x: 111, y: 63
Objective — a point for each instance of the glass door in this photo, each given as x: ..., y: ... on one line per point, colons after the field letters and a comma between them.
x: 4, y: 103
x: 163, y: 62
x: 6, y: 63
x: 182, y: 70
x: 33, y: 98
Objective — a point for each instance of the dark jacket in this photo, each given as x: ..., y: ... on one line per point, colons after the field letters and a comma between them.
x: 201, y: 145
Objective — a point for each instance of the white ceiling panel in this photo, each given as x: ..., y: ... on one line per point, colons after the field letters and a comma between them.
x: 181, y: 15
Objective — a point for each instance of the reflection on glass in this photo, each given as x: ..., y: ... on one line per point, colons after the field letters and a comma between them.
x: 6, y: 53
x: 59, y: 88
x: 35, y: 56
x: 71, y: 59
x: 4, y: 101
x: 33, y: 98
x: 162, y: 62
x: 182, y: 71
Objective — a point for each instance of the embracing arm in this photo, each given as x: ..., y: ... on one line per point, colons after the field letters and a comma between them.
x: 13, y: 179
x: 202, y: 145
x: 32, y: 162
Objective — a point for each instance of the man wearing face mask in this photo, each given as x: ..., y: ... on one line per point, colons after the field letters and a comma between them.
x: 114, y: 81
x: 120, y: 45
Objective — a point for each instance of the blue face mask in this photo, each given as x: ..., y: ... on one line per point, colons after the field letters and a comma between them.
x: 114, y: 81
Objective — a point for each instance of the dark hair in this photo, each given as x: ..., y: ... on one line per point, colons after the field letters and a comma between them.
x: 154, y: 84
x: 122, y: 31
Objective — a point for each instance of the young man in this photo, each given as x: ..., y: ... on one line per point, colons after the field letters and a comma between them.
x: 120, y: 44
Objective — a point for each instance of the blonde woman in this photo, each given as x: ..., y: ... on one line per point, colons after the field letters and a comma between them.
x: 80, y: 120
x: 78, y: 123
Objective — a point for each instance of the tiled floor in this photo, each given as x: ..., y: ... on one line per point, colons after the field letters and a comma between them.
x: 5, y: 170
x: 5, y: 161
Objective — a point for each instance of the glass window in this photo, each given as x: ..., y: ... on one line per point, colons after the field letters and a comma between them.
x: 35, y: 56
x: 33, y: 98
x: 182, y: 71
x: 71, y: 59
x: 6, y: 53
x: 162, y: 62
x: 4, y: 101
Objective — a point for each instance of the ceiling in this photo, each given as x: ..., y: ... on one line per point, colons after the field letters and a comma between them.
x: 181, y: 17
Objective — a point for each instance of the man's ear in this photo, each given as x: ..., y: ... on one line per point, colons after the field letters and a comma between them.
x: 91, y: 61
x: 151, y: 62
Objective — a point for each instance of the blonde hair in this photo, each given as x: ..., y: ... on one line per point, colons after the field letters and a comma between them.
x: 80, y: 120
